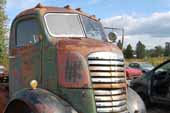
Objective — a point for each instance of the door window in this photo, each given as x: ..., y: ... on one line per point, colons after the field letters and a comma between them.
x: 163, y: 68
x: 26, y: 32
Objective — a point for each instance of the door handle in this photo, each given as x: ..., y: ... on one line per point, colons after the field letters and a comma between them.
x: 11, y: 57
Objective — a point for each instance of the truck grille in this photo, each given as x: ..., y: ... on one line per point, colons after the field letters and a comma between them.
x: 108, y: 81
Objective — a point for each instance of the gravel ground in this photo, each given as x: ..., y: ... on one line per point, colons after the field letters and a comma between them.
x: 158, y: 109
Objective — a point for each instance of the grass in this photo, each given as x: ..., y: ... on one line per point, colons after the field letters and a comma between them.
x: 153, y: 60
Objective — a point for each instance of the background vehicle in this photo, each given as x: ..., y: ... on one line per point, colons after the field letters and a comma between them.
x: 66, y: 53
x: 154, y: 86
x: 143, y: 66
x: 132, y: 73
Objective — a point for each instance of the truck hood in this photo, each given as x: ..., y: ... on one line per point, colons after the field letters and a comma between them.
x: 72, y: 55
x: 86, y: 46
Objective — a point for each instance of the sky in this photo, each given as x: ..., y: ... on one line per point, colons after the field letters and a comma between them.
x: 144, y: 20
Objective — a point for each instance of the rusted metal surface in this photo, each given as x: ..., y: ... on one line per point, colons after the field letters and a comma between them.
x: 46, y: 9
x: 39, y: 101
x: 71, y: 56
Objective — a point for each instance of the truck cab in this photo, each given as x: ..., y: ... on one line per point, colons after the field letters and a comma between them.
x: 67, y: 54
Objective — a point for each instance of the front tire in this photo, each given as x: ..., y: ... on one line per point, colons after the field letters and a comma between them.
x: 18, y: 107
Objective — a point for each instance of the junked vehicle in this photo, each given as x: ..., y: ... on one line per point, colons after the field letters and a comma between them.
x: 154, y: 86
x: 143, y: 66
x: 132, y: 73
x: 62, y: 62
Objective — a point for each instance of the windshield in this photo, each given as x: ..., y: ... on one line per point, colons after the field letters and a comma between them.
x: 64, y: 25
x: 93, y: 29
x: 146, y: 65
x: 69, y: 25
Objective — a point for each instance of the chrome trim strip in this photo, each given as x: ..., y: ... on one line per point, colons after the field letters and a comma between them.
x: 99, y: 62
x: 106, y: 55
x: 109, y: 92
x: 107, y: 74
x: 109, y: 104
x: 109, y: 86
x: 112, y: 109
x: 108, y: 80
x: 104, y: 68
x: 110, y: 98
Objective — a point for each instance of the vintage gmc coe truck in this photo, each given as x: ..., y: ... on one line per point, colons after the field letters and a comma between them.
x: 62, y: 62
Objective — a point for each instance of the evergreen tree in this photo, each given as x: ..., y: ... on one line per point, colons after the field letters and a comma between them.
x: 128, y: 52
x: 159, y: 51
x: 167, y: 49
x: 140, y: 50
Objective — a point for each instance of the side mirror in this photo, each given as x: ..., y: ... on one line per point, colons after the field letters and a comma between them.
x: 112, y: 36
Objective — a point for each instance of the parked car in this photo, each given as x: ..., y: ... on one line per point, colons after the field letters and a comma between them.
x: 154, y: 86
x: 132, y: 73
x: 143, y: 66
x: 3, y: 74
x: 3, y: 70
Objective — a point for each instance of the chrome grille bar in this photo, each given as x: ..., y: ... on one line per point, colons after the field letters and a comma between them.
x: 108, y: 81
x: 109, y: 104
x: 109, y: 92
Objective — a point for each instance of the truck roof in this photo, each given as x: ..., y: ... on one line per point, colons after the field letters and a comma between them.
x: 47, y: 9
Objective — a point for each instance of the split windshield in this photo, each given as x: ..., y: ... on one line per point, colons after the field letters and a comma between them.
x: 73, y: 25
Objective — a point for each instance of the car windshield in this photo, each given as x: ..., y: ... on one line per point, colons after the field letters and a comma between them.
x: 93, y: 28
x: 69, y: 25
x: 64, y: 25
x: 146, y: 65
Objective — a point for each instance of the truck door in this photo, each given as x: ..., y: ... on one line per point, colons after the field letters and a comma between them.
x: 25, y: 55
x: 161, y: 83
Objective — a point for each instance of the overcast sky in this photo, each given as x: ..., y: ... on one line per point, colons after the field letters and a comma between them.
x: 145, y: 20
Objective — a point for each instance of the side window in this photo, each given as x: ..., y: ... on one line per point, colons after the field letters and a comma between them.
x: 163, y: 68
x: 26, y: 32
x: 137, y: 65
x: 131, y: 65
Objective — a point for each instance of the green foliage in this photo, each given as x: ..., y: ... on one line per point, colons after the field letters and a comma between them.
x: 158, y: 51
x: 128, y: 52
x: 140, y: 50
x: 3, y: 31
x: 167, y: 49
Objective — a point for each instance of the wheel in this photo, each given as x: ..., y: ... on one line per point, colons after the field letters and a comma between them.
x: 18, y: 107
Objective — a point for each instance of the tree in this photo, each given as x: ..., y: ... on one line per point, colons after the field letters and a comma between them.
x: 167, y: 49
x: 128, y: 52
x: 140, y: 50
x: 3, y: 30
x: 159, y: 51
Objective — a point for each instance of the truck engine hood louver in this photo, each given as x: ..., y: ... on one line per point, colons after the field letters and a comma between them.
x: 108, y: 81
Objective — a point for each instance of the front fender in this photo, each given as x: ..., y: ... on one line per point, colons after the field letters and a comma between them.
x: 135, y: 103
x: 39, y: 101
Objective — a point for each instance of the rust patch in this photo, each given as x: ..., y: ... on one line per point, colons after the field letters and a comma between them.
x: 73, y: 71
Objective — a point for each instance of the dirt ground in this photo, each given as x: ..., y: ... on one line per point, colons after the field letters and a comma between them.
x: 158, y: 109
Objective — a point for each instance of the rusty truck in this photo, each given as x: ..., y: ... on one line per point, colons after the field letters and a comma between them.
x: 62, y: 62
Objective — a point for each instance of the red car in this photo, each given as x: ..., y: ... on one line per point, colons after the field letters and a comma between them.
x: 132, y: 73
x: 3, y: 74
